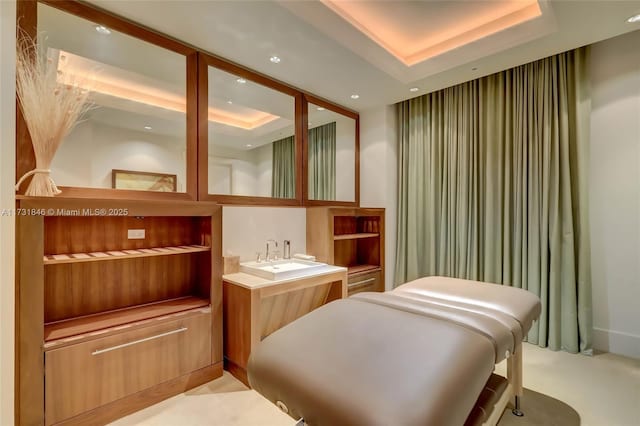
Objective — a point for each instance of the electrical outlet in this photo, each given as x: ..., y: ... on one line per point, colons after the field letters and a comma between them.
x: 135, y: 234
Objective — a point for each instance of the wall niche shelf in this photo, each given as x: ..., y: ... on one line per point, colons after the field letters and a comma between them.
x: 355, y: 236
x: 53, y: 259
x: 140, y: 318
x: 80, y: 327
x: 349, y: 237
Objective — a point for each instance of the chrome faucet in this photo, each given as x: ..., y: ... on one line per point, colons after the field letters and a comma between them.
x: 267, y: 254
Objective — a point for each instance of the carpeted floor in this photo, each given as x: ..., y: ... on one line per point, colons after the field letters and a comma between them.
x: 541, y: 409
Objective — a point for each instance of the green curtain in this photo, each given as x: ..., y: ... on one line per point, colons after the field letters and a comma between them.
x: 283, y: 179
x: 493, y: 187
x: 322, y: 162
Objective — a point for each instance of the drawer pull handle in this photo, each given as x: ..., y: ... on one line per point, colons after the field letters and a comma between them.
x: 135, y: 342
x: 361, y: 283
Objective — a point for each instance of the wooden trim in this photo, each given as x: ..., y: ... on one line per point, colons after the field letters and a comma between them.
x: 203, y: 129
x: 197, y: 62
x: 303, y: 128
x: 216, y: 287
x: 236, y: 371
x: 192, y: 94
x: 254, y: 76
x: 117, y: 318
x: 310, y: 99
x: 120, y: 24
x: 29, y: 317
x: 133, y: 207
x: 357, y: 165
x: 130, y: 404
x: 25, y: 158
x: 300, y: 138
x: 331, y: 106
x: 27, y: 21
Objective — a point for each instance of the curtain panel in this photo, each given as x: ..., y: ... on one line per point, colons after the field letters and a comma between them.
x: 283, y: 180
x: 493, y: 187
x: 322, y: 162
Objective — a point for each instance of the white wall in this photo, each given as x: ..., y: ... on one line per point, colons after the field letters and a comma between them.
x: 245, y: 230
x: 92, y: 150
x: 379, y: 174
x: 251, y: 170
x: 7, y: 201
x: 615, y: 194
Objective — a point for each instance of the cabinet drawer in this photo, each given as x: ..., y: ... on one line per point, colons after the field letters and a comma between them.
x: 84, y: 376
x: 369, y: 281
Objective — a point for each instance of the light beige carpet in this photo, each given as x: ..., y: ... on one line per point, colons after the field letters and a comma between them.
x: 541, y: 409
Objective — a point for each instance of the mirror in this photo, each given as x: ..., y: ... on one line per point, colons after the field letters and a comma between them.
x: 137, y: 125
x: 251, y: 138
x: 331, y: 143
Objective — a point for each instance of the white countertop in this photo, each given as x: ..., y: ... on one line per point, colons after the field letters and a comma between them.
x: 251, y: 281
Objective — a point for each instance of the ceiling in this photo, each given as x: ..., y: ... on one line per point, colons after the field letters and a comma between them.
x: 338, y: 48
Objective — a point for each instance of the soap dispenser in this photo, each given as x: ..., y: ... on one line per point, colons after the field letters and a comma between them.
x: 287, y: 249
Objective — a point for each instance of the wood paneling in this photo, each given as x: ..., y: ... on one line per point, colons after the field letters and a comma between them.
x: 137, y: 207
x: 132, y: 403
x: 279, y: 310
x: 96, y: 233
x: 252, y: 314
x: 78, y: 289
x: 120, y: 365
x: 29, y: 378
x: 105, y: 320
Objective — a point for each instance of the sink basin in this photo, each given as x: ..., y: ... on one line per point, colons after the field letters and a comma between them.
x: 281, y: 269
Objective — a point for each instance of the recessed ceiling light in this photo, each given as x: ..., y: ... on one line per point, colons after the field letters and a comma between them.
x: 248, y: 145
x: 103, y: 30
x: 241, y: 80
x: 320, y: 109
x: 354, y: 96
x: 148, y: 127
x: 634, y: 19
x: 275, y: 59
x: 229, y: 102
x: 414, y: 89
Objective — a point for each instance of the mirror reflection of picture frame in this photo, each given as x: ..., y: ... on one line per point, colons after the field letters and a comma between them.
x: 143, y: 181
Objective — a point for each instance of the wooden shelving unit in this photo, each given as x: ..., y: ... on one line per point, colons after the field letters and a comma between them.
x: 350, y: 237
x: 140, y: 318
x: 53, y: 259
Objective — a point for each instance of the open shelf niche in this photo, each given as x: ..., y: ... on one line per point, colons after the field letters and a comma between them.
x: 133, y: 301
x: 350, y: 237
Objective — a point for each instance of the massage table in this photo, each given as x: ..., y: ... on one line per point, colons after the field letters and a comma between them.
x: 422, y: 354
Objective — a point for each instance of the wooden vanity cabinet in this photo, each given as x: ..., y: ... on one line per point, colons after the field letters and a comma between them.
x: 350, y: 237
x: 254, y: 308
x: 110, y: 321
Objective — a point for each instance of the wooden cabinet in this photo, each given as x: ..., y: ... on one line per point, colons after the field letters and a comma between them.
x: 254, y: 308
x: 119, y: 305
x: 350, y: 237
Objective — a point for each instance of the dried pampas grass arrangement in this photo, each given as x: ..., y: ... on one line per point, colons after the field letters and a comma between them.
x: 51, y: 108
